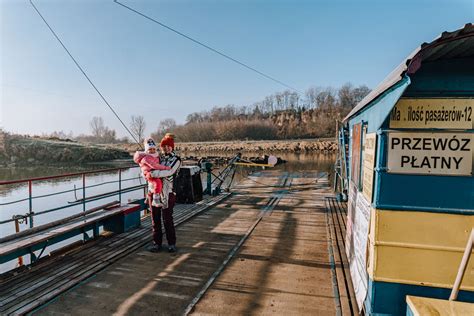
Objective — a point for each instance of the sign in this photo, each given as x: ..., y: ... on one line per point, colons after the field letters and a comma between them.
x: 370, y: 144
x: 351, y: 204
x: 433, y: 113
x: 358, y: 220
x: 355, y: 153
x: 430, y: 153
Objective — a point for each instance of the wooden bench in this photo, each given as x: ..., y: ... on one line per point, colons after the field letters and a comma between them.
x: 425, y: 306
x: 113, y: 217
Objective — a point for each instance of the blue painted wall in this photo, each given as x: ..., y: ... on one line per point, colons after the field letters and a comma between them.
x: 426, y: 193
x: 449, y: 77
x: 446, y: 194
x: 386, y: 298
x: 452, y: 194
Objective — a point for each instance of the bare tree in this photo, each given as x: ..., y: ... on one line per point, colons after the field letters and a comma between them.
x: 137, y: 126
x: 345, y: 95
x: 350, y: 96
x: 97, y: 126
x: 166, y: 125
x: 311, y: 94
x: 359, y: 93
x: 326, y: 99
x: 169, y: 125
x: 109, y: 136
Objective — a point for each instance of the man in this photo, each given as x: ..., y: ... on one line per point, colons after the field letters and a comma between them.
x: 168, y: 196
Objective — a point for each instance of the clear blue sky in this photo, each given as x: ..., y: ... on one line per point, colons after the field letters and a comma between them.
x: 144, y: 69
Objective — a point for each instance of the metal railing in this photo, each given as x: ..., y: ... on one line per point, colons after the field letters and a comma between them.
x: 19, y: 218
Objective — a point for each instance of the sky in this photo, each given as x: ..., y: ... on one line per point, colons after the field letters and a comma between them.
x: 144, y: 69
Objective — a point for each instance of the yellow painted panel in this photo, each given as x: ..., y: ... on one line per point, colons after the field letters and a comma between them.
x: 423, y: 267
x: 419, y: 247
x: 371, y: 244
x: 435, y: 307
x: 423, y: 228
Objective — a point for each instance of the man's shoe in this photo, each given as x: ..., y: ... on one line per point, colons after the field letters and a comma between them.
x: 155, y: 248
x: 172, y: 249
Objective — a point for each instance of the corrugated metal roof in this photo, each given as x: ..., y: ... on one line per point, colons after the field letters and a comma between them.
x: 457, y: 44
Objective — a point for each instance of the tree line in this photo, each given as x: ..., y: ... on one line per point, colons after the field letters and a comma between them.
x: 282, y: 115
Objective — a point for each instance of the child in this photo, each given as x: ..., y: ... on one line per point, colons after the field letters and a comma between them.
x: 148, y: 161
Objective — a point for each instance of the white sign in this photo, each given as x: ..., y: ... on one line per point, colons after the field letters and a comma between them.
x: 356, y: 242
x: 351, y: 204
x: 369, y: 162
x: 430, y: 153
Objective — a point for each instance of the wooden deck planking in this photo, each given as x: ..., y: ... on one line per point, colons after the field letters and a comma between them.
x: 33, y: 289
x: 337, y: 224
x: 98, y: 248
x: 294, y: 200
x: 94, y: 244
x: 91, y: 265
x: 283, y: 268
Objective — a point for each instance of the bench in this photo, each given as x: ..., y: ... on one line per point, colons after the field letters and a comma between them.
x: 114, y: 217
x: 436, y: 307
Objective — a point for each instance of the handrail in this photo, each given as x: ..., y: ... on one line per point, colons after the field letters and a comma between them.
x: 32, y: 212
x: 462, y: 267
x: 67, y: 191
x: 67, y: 175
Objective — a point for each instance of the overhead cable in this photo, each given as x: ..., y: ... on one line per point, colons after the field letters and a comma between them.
x: 85, y: 75
x: 208, y: 47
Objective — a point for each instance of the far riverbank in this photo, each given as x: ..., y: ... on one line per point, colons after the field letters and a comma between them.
x: 326, y: 145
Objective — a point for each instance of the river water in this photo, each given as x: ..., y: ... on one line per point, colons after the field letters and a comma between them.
x: 68, y: 191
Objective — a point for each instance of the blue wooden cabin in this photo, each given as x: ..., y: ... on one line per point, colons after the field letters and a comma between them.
x: 410, y: 178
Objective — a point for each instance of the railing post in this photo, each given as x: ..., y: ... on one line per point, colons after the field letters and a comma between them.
x: 120, y: 186
x: 83, y: 192
x: 85, y: 237
x: 17, y: 230
x: 30, y: 200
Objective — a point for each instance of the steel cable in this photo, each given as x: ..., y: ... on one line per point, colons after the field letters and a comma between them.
x: 85, y: 75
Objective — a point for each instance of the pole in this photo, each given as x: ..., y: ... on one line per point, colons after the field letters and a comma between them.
x: 17, y: 230
x: 120, y: 186
x: 462, y: 267
x: 30, y: 200
x: 83, y: 192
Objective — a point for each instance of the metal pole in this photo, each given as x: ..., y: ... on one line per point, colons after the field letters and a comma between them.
x: 83, y: 192
x: 17, y: 230
x: 84, y: 234
x: 209, y: 183
x: 120, y: 186
x: 30, y: 200
x: 462, y: 267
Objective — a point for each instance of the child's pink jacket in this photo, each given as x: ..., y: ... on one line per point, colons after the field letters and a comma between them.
x: 148, y: 163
